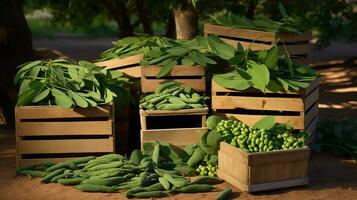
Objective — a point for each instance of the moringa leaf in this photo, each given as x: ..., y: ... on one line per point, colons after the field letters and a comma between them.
x: 61, y: 98
x: 265, y: 123
x: 260, y: 75
x: 166, y: 68
x: 41, y: 96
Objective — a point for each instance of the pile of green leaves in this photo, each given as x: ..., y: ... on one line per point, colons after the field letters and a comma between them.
x: 67, y: 84
x: 130, y: 46
x: 198, y: 51
x: 291, y: 24
x: 338, y: 137
x: 264, y: 70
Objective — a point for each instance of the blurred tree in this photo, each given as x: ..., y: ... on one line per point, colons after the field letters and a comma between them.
x: 15, y: 48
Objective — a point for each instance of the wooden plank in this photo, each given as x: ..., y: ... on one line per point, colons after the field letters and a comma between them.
x: 312, y: 127
x: 178, y: 70
x: 239, y: 33
x: 50, y: 112
x: 65, y: 128
x: 232, y: 180
x: 121, y: 62
x: 65, y: 146
x: 277, y: 184
x: 149, y: 85
x: 179, y: 137
x: 313, y: 84
x: 311, y: 99
x: 295, y: 49
x: 294, y: 37
x: 198, y: 111
x: 134, y: 71
x: 258, y: 103
x: 296, y: 121
x: 311, y: 114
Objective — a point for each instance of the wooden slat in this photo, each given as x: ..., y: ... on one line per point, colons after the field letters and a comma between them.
x: 121, y: 62
x: 311, y: 114
x: 313, y: 84
x: 295, y: 49
x: 224, y: 175
x: 179, y: 137
x: 280, y: 156
x: 134, y: 71
x: 258, y: 103
x: 311, y: 128
x: 296, y: 121
x: 178, y: 70
x: 278, y: 184
x: 239, y: 33
x: 292, y: 37
x: 65, y: 128
x: 50, y: 112
x: 311, y: 99
x: 65, y: 146
x: 149, y: 85
x: 199, y: 111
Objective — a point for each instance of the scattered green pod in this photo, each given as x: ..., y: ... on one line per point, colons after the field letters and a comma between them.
x: 170, y: 90
x: 191, y: 100
x: 195, y: 105
x: 162, y: 172
x: 164, y: 183
x: 207, y: 180
x: 178, y: 182
x: 130, y: 193
x: 81, y: 160
x: 143, y: 179
x: 196, y: 157
x: 136, y: 156
x: 110, y: 165
x: 150, y: 194
x: 176, y: 100
x: 185, y: 170
x: 156, y: 153
x: 107, y: 175
x: 148, y: 97
x: 100, y: 172
x: 224, y: 194
x: 164, y: 86
x: 49, y: 176
x: 195, y: 95
x: 177, y: 92
x: 95, y: 188
x: 149, y: 158
x: 112, y: 156
x: 188, y: 90
x: 158, y: 99
x: 67, y: 165
x: 173, y: 106
x: 32, y: 173
x: 128, y: 185
x: 70, y: 181
x: 105, y: 181
x: 64, y: 175
x: 95, y: 162
x: 155, y: 186
x: 194, y: 188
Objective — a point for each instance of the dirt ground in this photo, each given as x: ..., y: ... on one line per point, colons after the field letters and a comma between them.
x: 331, y: 178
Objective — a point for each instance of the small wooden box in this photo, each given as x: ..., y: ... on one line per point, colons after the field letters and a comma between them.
x: 192, y: 76
x: 129, y: 65
x: 253, y: 172
x: 177, y: 136
x: 249, y: 106
x: 297, y: 45
x: 55, y: 134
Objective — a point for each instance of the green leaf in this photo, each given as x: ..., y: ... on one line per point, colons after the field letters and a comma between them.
x: 25, y: 85
x: 274, y: 86
x: 265, y: 123
x: 73, y: 73
x: 260, y: 75
x: 282, y: 10
x: 36, y: 85
x: 261, y: 56
x: 35, y: 71
x: 220, y: 48
x: 108, y: 96
x: 284, y: 84
x: 41, y: 96
x: 166, y: 68
x: 187, y: 61
x: 234, y: 81
x: 25, y: 98
x: 80, y: 101
x: 212, y: 121
x: 61, y: 98
x: 271, y: 58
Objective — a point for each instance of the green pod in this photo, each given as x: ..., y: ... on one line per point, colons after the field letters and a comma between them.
x: 207, y: 180
x: 162, y: 172
x: 191, y: 100
x: 178, y: 182
x: 164, y: 86
x: 81, y: 160
x: 127, y: 185
x: 70, y: 181
x: 164, y: 183
x: 150, y: 194
x: 105, y: 181
x: 110, y: 165
x: 147, y: 97
x: 177, y: 92
x: 224, y: 194
x: 195, y: 105
x: 185, y: 170
x: 195, y: 188
x: 95, y: 188
x: 155, y: 186
x: 112, y: 157
x: 156, y: 153
x: 106, y: 175
x: 95, y: 162
x: 32, y: 173
x: 105, y: 171
x: 130, y: 193
x: 188, y: 90
x: 64, y: 175
x: 173, y: 107
x: 49, y: 176
x: 67, y: 165
x: 170, y: 90
x: 176, y: 100
x: 195, y: 95
x: 136, y: 156
x: 158, y: 99
x: 196, y: 157
x: 143, y: 179
x: 161, y: 102
x: 145, y: 160
x: 182, y: 96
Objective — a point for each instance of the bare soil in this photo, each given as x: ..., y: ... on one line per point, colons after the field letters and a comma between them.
x: 331, y: 178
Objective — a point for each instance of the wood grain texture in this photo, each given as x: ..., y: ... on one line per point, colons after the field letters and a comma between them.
x: 198, y: 111
x: 266, y: 170
x: 121, y: 62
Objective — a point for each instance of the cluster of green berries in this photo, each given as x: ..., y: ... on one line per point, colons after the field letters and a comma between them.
x: 252, y: 139
x: 207, y: 170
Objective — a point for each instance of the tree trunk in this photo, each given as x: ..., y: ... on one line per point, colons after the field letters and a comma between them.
x: 118, y: 11
x: 144, y: 16
x: 186, y: 22
x: 15, y: 48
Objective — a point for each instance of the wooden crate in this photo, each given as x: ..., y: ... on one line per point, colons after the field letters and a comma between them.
x: 297, y: 45
x: 53, y: 133
x: 192, y: 76
x: 261, y: 171
x: 176, y: 136
x: 249, y: 106
x: 129, y: 65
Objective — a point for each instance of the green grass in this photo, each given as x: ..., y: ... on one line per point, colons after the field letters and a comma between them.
x: 45, y: 28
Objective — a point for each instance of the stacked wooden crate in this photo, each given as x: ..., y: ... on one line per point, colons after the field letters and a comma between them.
x: 297, y: 45
x: 298, y: 108
x: 54, y: 134
x: 191, y: 76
